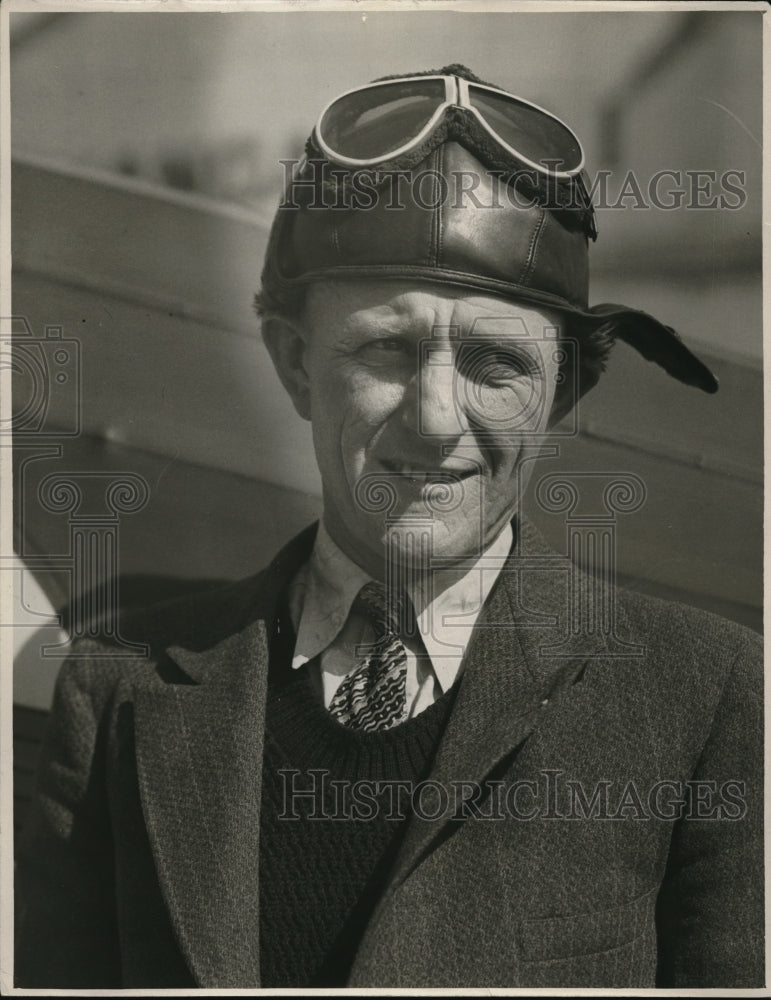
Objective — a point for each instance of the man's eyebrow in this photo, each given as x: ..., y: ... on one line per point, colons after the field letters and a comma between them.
x: 514, y: 345
x: 387, y: 325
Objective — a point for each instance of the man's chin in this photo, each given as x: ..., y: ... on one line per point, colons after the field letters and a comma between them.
x: 426, y: 543
x: 424, y: 521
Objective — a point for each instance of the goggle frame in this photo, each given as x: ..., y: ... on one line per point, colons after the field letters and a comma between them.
x: 456, y: 95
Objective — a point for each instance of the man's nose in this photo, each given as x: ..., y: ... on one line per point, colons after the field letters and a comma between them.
x: 436, y: 410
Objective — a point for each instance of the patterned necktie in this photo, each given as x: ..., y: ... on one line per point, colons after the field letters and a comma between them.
x: 372, y: 695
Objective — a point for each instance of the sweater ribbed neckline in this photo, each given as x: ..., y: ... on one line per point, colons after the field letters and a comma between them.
x: 304, y: 732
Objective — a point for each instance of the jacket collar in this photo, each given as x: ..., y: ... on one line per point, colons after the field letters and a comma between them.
x: 235, y: 614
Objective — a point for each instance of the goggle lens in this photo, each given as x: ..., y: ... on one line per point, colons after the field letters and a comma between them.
x: 378, y: 121
x: 529, y: 131
x: 374, y: 122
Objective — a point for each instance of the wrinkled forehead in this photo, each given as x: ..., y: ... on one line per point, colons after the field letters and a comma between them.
x: 424, y: 309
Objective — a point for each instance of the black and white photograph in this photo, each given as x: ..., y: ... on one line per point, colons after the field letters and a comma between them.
x: 382, y: 497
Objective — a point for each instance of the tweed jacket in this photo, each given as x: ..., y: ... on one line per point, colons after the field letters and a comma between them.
x: 566, y: 866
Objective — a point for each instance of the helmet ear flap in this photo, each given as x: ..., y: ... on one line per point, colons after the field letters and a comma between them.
x: 658, y: 343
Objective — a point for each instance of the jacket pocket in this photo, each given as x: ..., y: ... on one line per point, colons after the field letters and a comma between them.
x: 612, y: 947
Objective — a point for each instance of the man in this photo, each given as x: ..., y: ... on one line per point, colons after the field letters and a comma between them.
x: 420, y: 749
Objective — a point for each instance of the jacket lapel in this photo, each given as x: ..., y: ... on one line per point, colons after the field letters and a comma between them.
x: 199, y: 760
x: 518, y: 665
x: 199, y: 754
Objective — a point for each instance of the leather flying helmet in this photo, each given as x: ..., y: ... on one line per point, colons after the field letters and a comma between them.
x: 438, y: 177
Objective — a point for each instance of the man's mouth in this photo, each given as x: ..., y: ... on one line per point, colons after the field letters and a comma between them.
x: 423, y: 473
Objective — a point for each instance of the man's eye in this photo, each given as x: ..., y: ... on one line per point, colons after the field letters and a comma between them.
x: 384, y: 346
x: 508, y: 362
x: 494, y: 367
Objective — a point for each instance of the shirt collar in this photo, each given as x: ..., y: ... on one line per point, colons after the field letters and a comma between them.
x: 447, y: 603
x: 321, y: 596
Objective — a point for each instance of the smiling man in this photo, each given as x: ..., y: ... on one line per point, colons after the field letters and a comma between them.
x: 382, y: 414
x: 404, y: 755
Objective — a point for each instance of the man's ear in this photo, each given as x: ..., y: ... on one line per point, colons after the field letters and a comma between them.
x: 578, y: 379
x: 287, y: 341
x: 568, y: 394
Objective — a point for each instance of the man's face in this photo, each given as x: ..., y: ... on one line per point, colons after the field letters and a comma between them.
x: 427, y: 407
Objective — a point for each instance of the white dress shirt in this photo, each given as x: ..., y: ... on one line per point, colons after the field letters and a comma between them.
x: 330, y: 626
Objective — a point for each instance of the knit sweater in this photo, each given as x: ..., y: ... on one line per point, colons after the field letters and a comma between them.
x: 332, y: 817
